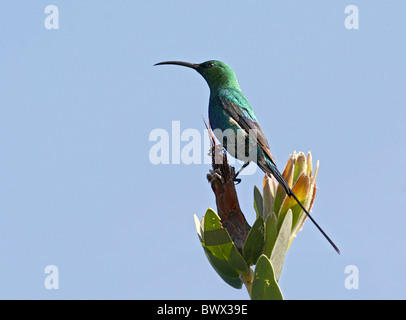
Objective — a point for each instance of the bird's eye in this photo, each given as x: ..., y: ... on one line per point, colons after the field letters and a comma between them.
x: 210, y: 65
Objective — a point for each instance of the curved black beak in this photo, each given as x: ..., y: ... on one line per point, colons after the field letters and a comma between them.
x: 179, y: 63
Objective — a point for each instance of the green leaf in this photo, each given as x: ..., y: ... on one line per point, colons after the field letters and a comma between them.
x: 224, y: 270
x: 271, y: 233
x: 264, y: 285
x: 218, y: 242
x: 281, y: 245
x: 255, y: 242
x: 258, y: 202
x: 198, y: 228
x: 216, y: 258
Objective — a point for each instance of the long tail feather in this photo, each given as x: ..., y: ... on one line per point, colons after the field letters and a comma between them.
x: 272, y: 170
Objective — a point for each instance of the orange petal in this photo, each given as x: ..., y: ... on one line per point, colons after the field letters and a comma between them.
x: 288, y: 176
x: 301, y: 190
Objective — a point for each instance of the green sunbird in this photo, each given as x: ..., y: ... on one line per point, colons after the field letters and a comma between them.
x: 230, y: 111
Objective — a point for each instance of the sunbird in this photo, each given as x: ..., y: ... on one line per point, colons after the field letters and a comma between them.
x: 229, y: 109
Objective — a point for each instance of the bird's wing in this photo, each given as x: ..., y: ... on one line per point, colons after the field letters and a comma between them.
x: 246, y: 119
x: 239, y: 109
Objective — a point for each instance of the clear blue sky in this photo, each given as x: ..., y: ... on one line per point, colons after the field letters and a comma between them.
x: 77, y: 105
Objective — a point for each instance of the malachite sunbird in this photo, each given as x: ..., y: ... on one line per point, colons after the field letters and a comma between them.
x: 229, y: 109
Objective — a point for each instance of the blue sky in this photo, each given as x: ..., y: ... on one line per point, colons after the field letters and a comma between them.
x: 77, y: 106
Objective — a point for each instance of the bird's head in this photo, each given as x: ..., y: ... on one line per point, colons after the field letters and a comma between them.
x: 216, y: 73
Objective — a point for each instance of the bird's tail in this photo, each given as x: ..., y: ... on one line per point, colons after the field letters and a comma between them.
x: 271, y: 169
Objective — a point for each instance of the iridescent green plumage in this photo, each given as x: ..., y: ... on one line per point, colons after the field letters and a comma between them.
x: 230, y: 110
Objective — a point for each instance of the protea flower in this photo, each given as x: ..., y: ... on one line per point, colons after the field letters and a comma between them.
x: 232, y: 247
x: 299, y: 175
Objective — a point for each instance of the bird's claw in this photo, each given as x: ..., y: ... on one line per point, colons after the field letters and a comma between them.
x: 215, y: 174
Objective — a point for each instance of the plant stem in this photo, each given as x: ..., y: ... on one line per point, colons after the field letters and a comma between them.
x: 247, y: 279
